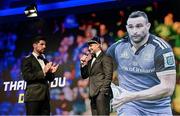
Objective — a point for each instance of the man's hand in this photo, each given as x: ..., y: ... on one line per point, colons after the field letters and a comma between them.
x: 47, y: 67
x: 123, y: 98
x: 84, y: 59
x: 53, y: 68
x: 50, y: 67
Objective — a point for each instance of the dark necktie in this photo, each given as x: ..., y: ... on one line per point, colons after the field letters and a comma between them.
x: 42, y: 58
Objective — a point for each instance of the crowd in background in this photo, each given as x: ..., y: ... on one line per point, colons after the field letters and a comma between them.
x: 67, y: 37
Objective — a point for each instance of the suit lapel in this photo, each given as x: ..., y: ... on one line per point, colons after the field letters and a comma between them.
x: 97, y: 59
x: 36, y: 61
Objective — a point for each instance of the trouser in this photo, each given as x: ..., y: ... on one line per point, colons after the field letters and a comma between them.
x: 100, y: 104
x: 38, y: 107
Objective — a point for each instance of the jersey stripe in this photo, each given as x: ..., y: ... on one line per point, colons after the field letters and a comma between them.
x: 166, y: 43
x: 162, y: 42
x: 159, y: 44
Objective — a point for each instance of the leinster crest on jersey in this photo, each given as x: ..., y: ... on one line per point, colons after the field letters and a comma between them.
x: 169, y: 59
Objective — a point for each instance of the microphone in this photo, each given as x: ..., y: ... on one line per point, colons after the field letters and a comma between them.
x: 87, y: 56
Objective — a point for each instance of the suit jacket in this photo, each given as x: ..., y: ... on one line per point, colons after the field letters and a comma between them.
x: 100, y: 75
x: 37, y: 88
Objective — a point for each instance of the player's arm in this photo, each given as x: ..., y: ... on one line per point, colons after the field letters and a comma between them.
x: 164, y: 89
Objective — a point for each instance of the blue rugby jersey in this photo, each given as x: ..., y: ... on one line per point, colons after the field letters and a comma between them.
x: 138, y: 71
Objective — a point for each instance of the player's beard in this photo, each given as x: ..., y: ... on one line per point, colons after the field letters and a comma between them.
x: 138, y: 39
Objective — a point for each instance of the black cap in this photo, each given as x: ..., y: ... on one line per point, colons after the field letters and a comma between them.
x: 95, y: 39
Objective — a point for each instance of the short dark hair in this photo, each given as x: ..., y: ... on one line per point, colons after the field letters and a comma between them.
x: 37, y: 39
x: 138, y: 14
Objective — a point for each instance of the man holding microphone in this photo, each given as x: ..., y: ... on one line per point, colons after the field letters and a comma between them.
x: 99, y: 68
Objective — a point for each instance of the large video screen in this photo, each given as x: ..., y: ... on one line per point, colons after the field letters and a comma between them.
x: 66, y: 42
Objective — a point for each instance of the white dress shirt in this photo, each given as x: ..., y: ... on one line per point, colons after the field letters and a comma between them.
x: 94, y: 58
x: 41, y: 62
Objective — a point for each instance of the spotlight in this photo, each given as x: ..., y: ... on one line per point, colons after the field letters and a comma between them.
x: 31, y: 11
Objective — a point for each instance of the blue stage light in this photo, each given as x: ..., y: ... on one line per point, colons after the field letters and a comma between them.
x: 54, y: 6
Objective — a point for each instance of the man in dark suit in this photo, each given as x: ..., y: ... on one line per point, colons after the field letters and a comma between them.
x: 37, y: 72
x: 99, y: 68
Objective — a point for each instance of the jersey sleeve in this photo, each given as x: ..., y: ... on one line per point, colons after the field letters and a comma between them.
x: 164, y: 61
x: 111, y: 50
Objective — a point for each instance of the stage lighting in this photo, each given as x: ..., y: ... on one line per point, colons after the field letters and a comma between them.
x: 31, y: 11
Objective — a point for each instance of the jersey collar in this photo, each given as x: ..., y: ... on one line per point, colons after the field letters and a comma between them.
x: 144, y: 45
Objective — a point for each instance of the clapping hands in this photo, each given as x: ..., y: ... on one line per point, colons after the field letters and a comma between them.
x: 50, y: 67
